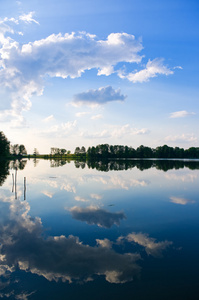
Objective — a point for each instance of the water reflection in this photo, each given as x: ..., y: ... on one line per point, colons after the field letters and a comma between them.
x: 180, y: 200
x: 4, y: 171
x: 95, y: 216
x: 151, y: 246
x: 116, y: 230
x: 18, y: 164
x: 165, y: 165
x: 24, y: 246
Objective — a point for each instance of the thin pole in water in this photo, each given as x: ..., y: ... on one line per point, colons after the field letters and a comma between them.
x: 13, y: 180
x: 16, y: 184
x: 24, y: 188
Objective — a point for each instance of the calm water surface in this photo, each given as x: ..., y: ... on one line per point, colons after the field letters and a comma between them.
x: 76, y: 232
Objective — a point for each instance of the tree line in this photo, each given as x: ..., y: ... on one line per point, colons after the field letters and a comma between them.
x: 104, y: 151
x: 8, y: 150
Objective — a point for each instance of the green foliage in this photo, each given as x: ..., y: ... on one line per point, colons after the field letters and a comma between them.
x: 57, y: 151
x: 141, y: 164
x: 17, y: 149
x: 104, y: 151
x: 4, y: 170
x: 4, y: 145
x: 79, y: 151
x: 22, y: 150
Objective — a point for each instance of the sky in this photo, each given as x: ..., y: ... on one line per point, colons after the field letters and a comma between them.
x: 79, y: 73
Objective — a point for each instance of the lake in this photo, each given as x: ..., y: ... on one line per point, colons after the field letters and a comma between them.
x: 116, y: 230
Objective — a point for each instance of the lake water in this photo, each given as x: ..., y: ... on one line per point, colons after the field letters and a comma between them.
x: 77, y: 232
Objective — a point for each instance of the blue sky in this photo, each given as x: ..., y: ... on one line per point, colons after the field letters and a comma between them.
x: 82, y: 73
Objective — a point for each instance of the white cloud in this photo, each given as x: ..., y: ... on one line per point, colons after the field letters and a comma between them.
x: 106, y: 71
x: 182, y: 138
x: 100, y: 134
x: 178, y: 67
x: 28, y: 18
x: 23, y: 67
x: 60, y: 129
x: 48, y: 119
x: 126, y: 129
x: 181, y: 201
x: 99, y: 96
x: 80, y: 114
x: 116, y: 132
x: 97, y: 117
x: 153, y: 68
x: 181, y: 114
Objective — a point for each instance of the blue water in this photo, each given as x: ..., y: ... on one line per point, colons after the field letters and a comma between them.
x: 80, y: 233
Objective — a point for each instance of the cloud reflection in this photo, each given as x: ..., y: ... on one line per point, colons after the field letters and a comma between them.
x: 96, y: 216
x: 180, y: 200
x: 151, y: 246
x: 57, y: 257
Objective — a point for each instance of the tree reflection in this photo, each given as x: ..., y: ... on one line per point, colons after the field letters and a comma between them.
x: 4, y: 171
x: 18, y: 164
x: 119, y: 165
x: 54, y: 163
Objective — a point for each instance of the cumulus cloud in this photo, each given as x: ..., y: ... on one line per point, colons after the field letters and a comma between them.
x: 96, y: 216
x: 23, y: 67
x: 182, y: 138
x: 181, y: 114
x: 153, y: 68
x: 99, y: 96
x: 180, y: 200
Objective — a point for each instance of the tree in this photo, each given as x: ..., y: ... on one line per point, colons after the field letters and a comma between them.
x: 77, y: 150
x: 22, y: 150
x: 63, y: 151
x: 14, y: 149
x: 83, y: 150
x: 4, y: 145
x: 35, y: 152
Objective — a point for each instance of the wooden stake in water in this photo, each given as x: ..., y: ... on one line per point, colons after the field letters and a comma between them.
x: 16, y: 184
x: 13, y: 180
x: 24, y: 188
